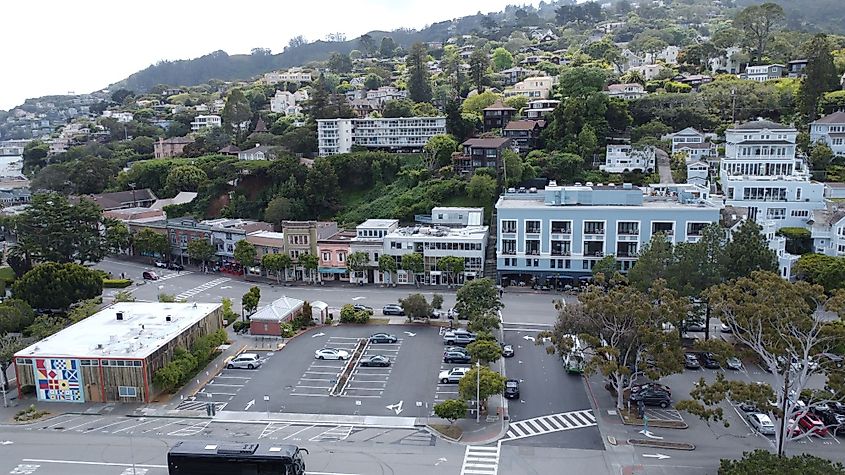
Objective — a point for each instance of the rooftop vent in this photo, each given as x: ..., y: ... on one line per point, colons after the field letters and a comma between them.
x: 168, y: 318
x: 120, y: 315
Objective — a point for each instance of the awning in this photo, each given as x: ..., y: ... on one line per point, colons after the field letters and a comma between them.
x: 332, y: 270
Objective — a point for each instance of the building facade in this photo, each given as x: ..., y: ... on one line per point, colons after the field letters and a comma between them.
x: 301, y: 238
x: 558, y: 234
x: 171, y: 147
x: 763, y: 73
x: 394, y: 134
x: 497, y: 115
x: 225, y: 234
x: 524, y: 134
x: 201, y: 122
x: 626, y: 158
x: 626, y: 91
x: 478, y: 153
x: 333, y: 252
x: 181, y: 231
x: 434, y: 243
x: 540, y: 108
x: 369, y: 239
x: 830, y: 129
x: 537, y: 87
x: 693, y: 143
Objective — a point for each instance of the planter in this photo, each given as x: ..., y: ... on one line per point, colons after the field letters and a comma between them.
x: 661, y: 444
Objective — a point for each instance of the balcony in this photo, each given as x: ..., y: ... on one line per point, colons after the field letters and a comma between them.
x: 508, y: 252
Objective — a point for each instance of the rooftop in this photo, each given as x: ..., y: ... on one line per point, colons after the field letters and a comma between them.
x: 268, y: 235
x: 498, y: 105
x: 278, y: 310
x: 143, y: 330
x: 378, y: 223
x: 524, y: 124
x: 494, y: 142
x: 837, y: 117
x: 440, y: 232
x: 759, y: 125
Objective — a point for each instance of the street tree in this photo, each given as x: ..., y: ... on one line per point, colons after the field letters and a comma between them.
x: 118, y: 236
x: 653, y: 262
x: 419, y: 84
x: 275, y: 263
x: 201, y: 250
x: 748, y: 251
x: 827, y: 271
x: 491, y: 383
x: 8, y: 347
x: 757, y: 23
x: 607, y: 266
x: 760, y: 461
x: 478, y: 297
x: 621, y: 327
x: 356, y: 262
x: 775, y: 320
x: 150, y: 243
x: 387, y: 264
x: 55, y: 286
x: 451, y: 410
x: 250, y: 300
x: 415, y: 306
x: 437, y: 301
x: 484, y: 351
x: 245, y: 253
x: 452, y: 265
x: 413, y: 263
x: 309, y: 262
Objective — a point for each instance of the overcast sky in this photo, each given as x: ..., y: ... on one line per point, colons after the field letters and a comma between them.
x: 55, y: 47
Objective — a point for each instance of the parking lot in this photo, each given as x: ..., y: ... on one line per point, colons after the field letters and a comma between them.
x: 224, y: 387
x: 295, y: 381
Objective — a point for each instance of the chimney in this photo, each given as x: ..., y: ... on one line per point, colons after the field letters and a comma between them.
x: 119, y: 316
x: 168, y: 318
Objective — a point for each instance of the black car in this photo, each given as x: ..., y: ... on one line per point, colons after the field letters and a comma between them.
x: 512, y: 389
x: 708, y: 360
x: 382, y: 338
x: 691, y: 362
x: 393, y: 309
x: 375, y: 360
x: 834, y: 421
x: 175, y: 266
x: 652, y: 397
x: 651, y: 386
x: 507, y: 351
x: 456, y: 357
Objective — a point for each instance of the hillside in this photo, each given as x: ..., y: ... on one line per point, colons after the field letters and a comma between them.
x: 823, y: 16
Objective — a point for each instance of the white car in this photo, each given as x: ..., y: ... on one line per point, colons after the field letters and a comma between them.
x: 331, y: 354
x: 245, y: 361
x: 452, y: 376
x: 761, y: 423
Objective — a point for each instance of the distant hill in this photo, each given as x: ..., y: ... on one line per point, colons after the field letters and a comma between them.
x: 824, y: 16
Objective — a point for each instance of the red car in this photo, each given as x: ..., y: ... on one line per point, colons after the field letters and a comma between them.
x: 810, y: 423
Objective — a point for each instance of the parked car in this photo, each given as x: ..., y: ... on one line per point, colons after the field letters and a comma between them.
x: 331, y: 354
x: 512, y: 389
x: 161, y: 264
x: 393, y: 309
x: 382, y: 338
x: 245, y: 361
x: 725, y: 329
x: 175, y: 266
x: 708, y: 360
x: 694, y: 327
x: 459, y: 349
x: 453, y: 314
x: 834, y: 421
x: 810, y: 423
x: 652, y: 397
x: 375, y: 360
x: 761, y: 423
x: 652, y: 386
x: 507, y: 351
x: 436, y: 314
x: 734, y: 363
x: 691, y: 362
x: 747, y: 407
x: 456, y: 357
x: 458, y: 337
x: 837, y: 407
x: 363, y: 308
x: 452, y: 376
x: 149, y: 275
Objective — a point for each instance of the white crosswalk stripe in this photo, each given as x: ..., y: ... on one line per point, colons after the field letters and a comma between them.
x: 551, y: 423
x: 198, y: 406
x: 480, y: 460
x: 202, y: 288
x: 174, y: 274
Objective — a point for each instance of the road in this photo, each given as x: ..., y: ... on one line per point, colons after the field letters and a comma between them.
x: 664, y: 168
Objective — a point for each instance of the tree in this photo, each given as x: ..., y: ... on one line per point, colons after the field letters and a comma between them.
x: 653, y: 262
x: 415, y: 306
x: 748, y: 251
x: 477, y: 103
x: 356, y: 262
x: 117, y: 236
x: 236, y: 114
x: 587, y: 142
x: 8, y: 347
x: 484, y: 351
x: 15, y: 316
x: 437, y: 301
x: 821, y: 77
x: 297, y: 41
x: 581, y: 81
x: 340, y: 63
x: 367, y: 44
x: 760, y: 461
x: 245, y: 253
x: 321, y: 187
x: 419, y: 86
x: 35, y: 155
x: 776, y: 321
x: 309, y: 262
x: 607, y: 266
x: 250, y: 300
x: 274, y: 263
x: 201, y: 250
x: 452, y: 265
x: 512, y: 167
x: 623, y: 326
x: 388, y: 46
x: 757, y: 23
x: 185, y: 178
x: 387, y: 263
x: 479, y: 63
x: 482, y: 188
x: 502, y: 59
x: 398, y: 108
x: 485, y: 380
x: 440, y: 148
x: 373, y: 81
x: 413, y: 263
x: 821, y: 156
x: 827, y: 271
x: 55, y: 286
x: 478, y: 297
x: 281, y: 209
x: 451, y: 409
x: 151, y: 243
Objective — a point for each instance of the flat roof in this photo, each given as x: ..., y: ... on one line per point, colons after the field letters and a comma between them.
x: 467, y: 233
x: 378, y: 223
x: 143, y: 330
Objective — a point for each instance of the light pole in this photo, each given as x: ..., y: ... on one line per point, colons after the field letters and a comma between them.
x: 477, y: 391
x: 134, y: 203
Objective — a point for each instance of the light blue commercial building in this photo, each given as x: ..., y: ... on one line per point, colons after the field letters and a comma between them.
x: 556, y: 235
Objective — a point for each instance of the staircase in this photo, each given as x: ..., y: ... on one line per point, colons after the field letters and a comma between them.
x: 490, y: 252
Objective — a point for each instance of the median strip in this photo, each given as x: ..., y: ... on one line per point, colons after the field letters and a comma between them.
x: 343, y: 379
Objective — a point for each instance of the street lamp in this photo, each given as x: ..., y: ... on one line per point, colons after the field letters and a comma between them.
x: 477, y: 391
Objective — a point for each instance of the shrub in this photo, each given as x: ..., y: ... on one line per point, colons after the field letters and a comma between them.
x: 239, y: 326
x: 348, y: 314
x: 184, y: 364
x: 451, y: 409
x: 228, y: 314
x: 287, y: 330
x: 437, y: 301
x: 116, y: 283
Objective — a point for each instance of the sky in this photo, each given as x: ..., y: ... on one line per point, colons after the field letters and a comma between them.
x: 79, y: 46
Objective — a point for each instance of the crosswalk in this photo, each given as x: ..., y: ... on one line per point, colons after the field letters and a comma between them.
x: 550, y: 423
x: 201, y: 288
x: 173, y: 274
x: 199, y: 406
x: 480, y: 460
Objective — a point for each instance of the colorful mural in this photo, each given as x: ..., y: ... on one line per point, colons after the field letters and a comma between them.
x: 58, y: 380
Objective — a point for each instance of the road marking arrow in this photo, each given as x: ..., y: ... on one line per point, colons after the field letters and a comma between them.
x: 249, y: 404
x: 410, y: 334
x: 529, y: 338
x: 226, y: 287
x: 358, y: 298
x: 318, y: 334
x: 439, y: 461
x: 648, y: 434
x: 396, y: 407
x: 657, y: 456
x: 9, y: 442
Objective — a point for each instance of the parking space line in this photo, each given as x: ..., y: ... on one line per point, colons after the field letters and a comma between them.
x: 314, y: 379
x: 320, y: 372
x: 217, y: 394
x: 313, y: 387
x: 85, y: 423
x: 61, y: 422
x: 366, y: 389
x: 272, y: 428
x: 112, y: 424
x: 343, y: 338
x: 161, y: 427
x: 298, y: 432
x: 308, y: 395
x: 359, y: 395
x: 221, y: 376
x: 225, y: 385
x: 132, y: 427
x: 326, y: 366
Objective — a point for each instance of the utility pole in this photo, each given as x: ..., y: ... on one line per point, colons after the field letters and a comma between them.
x: 733, y: 105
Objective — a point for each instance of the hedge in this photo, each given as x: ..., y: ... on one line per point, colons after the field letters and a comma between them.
x: 184, y: 364
x: 116, y: 283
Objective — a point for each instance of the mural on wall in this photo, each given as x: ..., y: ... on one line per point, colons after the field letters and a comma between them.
x: 58, y: 379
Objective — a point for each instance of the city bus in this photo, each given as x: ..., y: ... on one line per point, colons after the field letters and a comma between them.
x: 210, y: 458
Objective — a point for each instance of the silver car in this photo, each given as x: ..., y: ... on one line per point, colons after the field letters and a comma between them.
x: 761, y: 423
x: 245, y: 361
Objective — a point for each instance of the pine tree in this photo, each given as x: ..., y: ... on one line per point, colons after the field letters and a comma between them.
x: 821, y: 76
x: 419, y: 87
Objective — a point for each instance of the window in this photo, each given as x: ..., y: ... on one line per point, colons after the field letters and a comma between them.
x: 800, y: 213
x: 532, y: 227
x: 776, y: 213
x: 327, y: 256
x: 561, y: 227
x: 508, y: 226
x: 341, y: 256
x: 629, y: 228
x: 532, y: 247
x: 560, y: 248
x: 508, y: 246
x: 127, y: 391
x: 694, y: 229
x: 665, y: 228
x: 593, y: 227
x: 798, y: 194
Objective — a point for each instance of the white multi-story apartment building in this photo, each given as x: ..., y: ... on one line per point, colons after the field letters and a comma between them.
x: 538, y: 87
x: 540, y: 108
x: 761, y: 172
x: 288, y: 103
x: 369, y: 239
x: 291, y: 75
x: 830, y: 129
x: 625, y: 158
x: 401, y: 133
x: 435, y: 243
x: 205, y: 121
x: 693, y: 143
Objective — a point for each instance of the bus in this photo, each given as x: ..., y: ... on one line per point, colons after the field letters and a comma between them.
x: 209, y: 458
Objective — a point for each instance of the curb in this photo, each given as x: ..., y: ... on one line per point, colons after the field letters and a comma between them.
x: 210, y: 377
x: 440, y: 435
x: 659, y: 423
x: 661, y: 445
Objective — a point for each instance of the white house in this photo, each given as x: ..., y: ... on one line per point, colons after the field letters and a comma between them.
x: 698, y: 173
x: 693, y: 143
x: 288, y: 103
x: 828, y: 230
x: 369, y: 239
x: 763, y: 73
x: 435, y: 243
x: 537, y: 87
x: 540, y: 108
x: 830, y: 129
x: 648, y: 71
x: 259, y: 152
x: 626, y: 91
x: 205, y: 121
x: 761, y: 172
x: 726, y: 62
x: 625, y: 158
x: 291, y: 75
